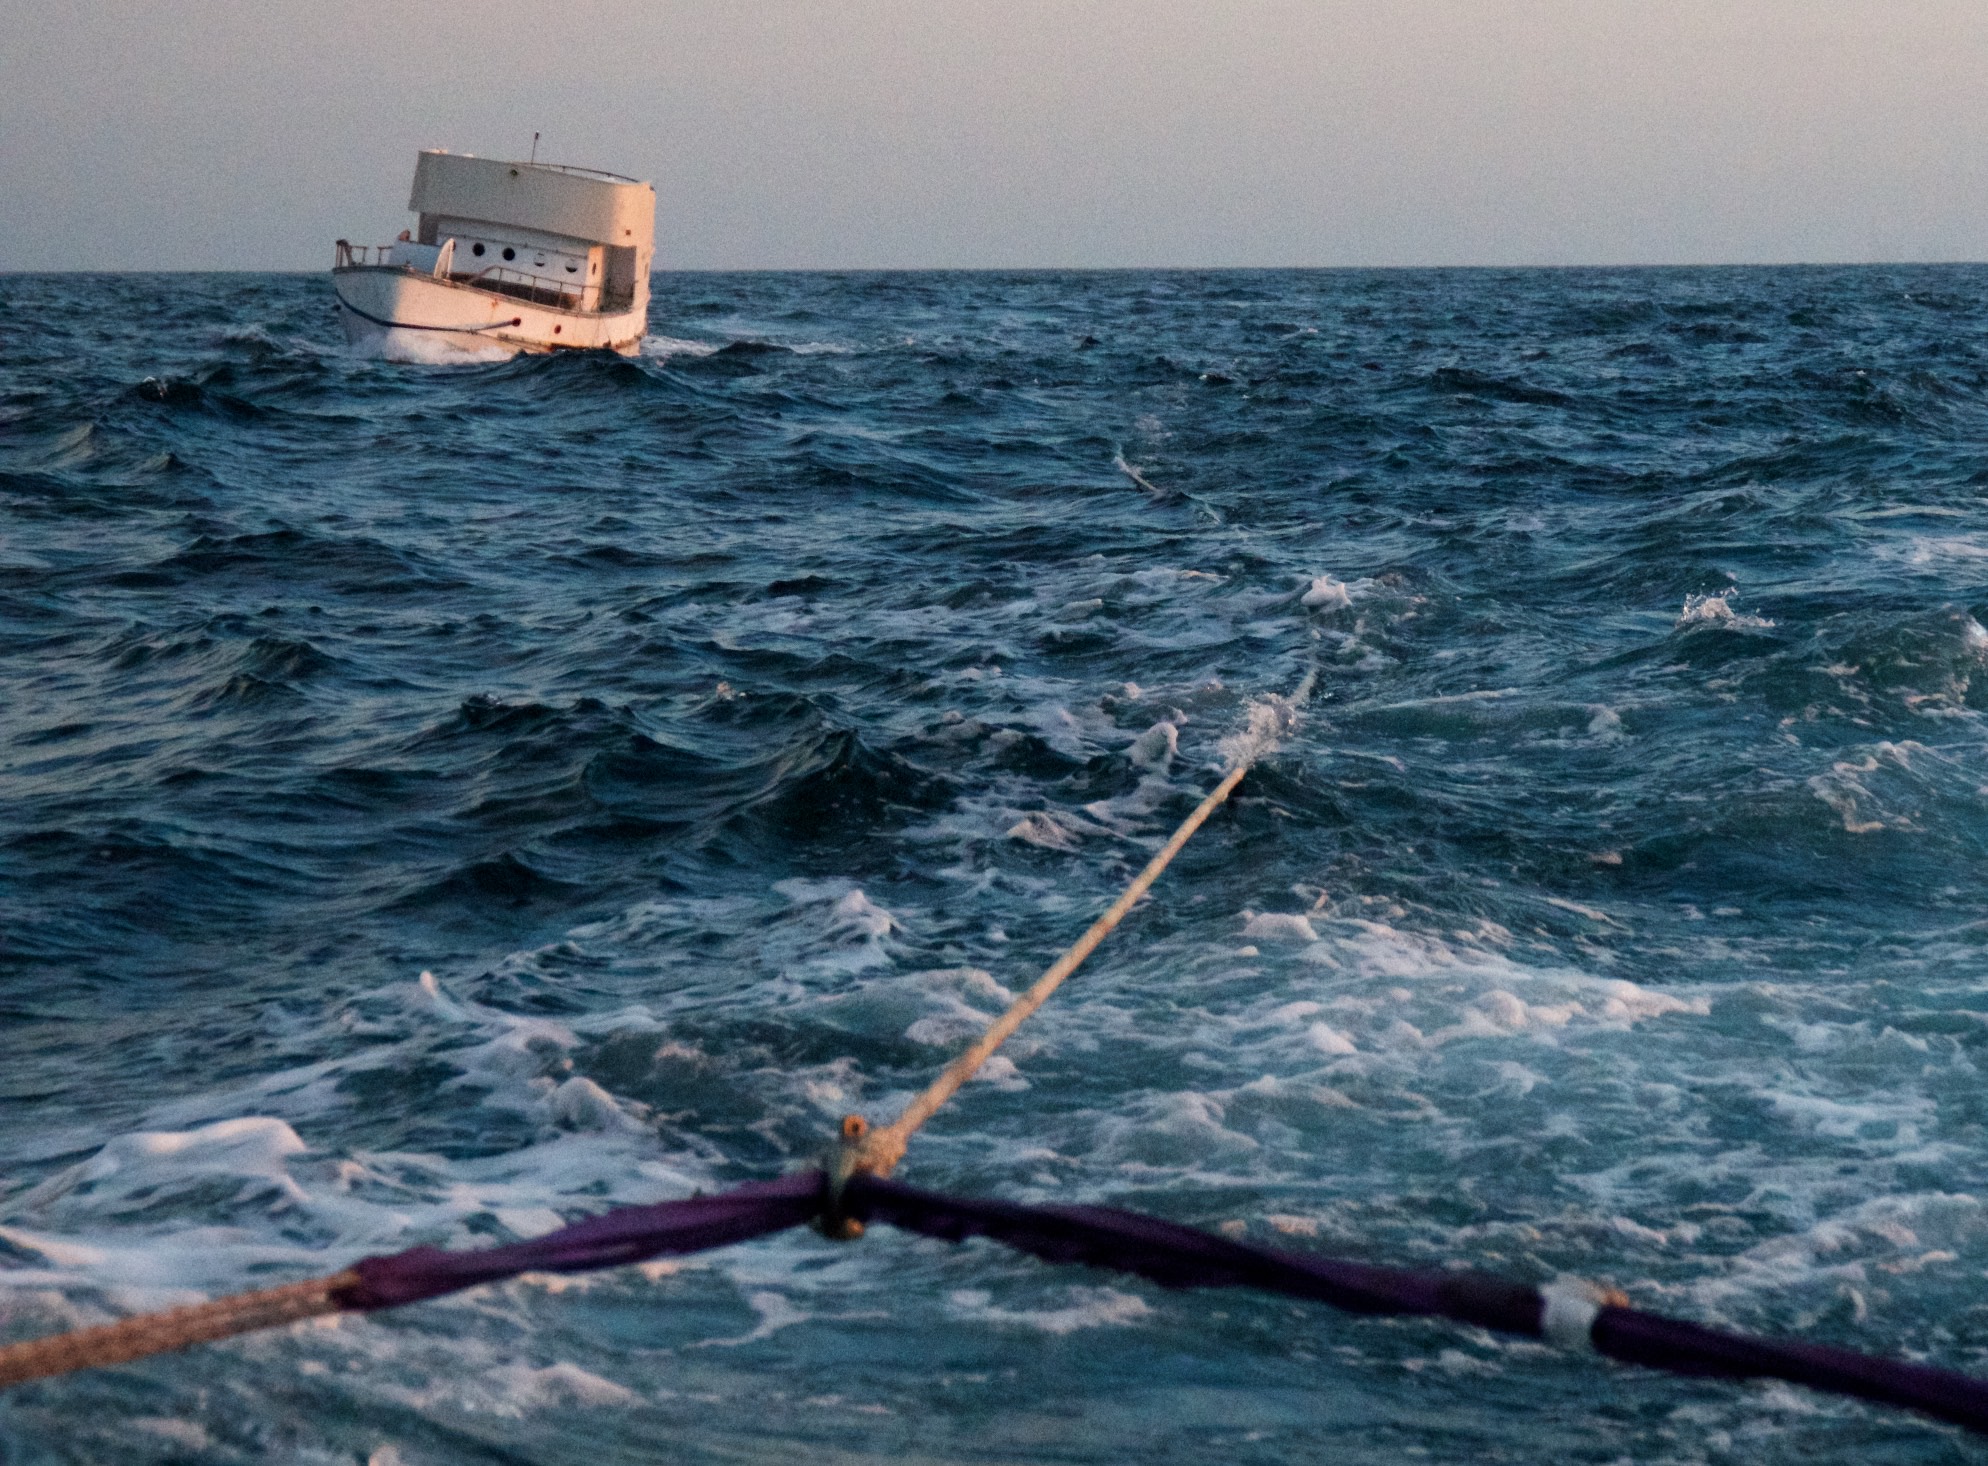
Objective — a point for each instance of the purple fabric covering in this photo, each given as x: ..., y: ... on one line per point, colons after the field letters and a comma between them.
x: 613, y: 1239
x: 1689, y: 1348
x: 1171, y: 1255
x: 1182, y: 1257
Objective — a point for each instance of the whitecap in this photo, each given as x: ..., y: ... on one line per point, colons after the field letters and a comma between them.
x: 1329, y: 1040
x: 776, y: 1312
x: 1327, y: 594
x: 1717, y: 610
x: 662, y: 348
x: 427, y: 348
x: 581, y: 1104
x: 1156, y: 747
x: 1046, y: 830
x: 1090, y: 1308
x: 1267, y: 722
x: 1278, y: 926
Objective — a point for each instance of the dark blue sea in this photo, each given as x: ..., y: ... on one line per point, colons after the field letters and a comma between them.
x: 441, y: 800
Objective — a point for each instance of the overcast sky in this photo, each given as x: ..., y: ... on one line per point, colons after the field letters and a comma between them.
x: 248, y: 134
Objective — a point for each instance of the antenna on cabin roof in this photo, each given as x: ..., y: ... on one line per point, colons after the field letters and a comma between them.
x: 534, y: 147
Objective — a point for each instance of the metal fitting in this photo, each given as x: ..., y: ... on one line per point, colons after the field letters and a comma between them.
x: 842, y: 1162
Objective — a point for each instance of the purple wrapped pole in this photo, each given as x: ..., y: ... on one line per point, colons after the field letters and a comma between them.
x: 1174, y: 1257
x: 613, y: 1239
x: 1689, y: 1348
x: 1183, y: 1257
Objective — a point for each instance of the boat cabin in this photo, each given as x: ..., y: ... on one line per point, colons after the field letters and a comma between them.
x: 554, y: 235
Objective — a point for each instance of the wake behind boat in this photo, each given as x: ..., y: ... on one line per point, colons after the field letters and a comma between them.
x: 507, y: 257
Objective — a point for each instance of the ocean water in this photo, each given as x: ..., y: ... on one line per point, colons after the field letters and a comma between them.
x: 439, y: 800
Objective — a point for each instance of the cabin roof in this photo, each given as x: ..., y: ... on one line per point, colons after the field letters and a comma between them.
x: 578, y: 203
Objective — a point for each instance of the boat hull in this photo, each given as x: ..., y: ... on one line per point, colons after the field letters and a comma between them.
x: 403, y: 316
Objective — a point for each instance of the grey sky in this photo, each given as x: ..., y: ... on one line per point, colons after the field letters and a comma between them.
x: 247, y: 134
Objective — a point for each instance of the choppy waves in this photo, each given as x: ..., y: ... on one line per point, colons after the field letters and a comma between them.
x: 443, y: 800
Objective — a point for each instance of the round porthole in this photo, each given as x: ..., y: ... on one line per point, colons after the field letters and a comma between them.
x: 477, y: 248
x: 509, y: 253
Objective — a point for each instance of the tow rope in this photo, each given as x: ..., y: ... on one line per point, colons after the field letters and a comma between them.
x: 880, y: 1150
x: 855, y: 1188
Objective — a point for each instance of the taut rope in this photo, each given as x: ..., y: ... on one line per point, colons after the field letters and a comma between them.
x: 176, y: 1328
x: 876, y: 1152
x: 880, y: 1150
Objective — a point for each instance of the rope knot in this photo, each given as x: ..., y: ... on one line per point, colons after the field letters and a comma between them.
x: 844, y: 1161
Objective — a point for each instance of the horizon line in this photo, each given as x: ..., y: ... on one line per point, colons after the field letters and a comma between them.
x: 1107, y: 269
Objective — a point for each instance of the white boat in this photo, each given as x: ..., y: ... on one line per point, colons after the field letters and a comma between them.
x: 507, y: 257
